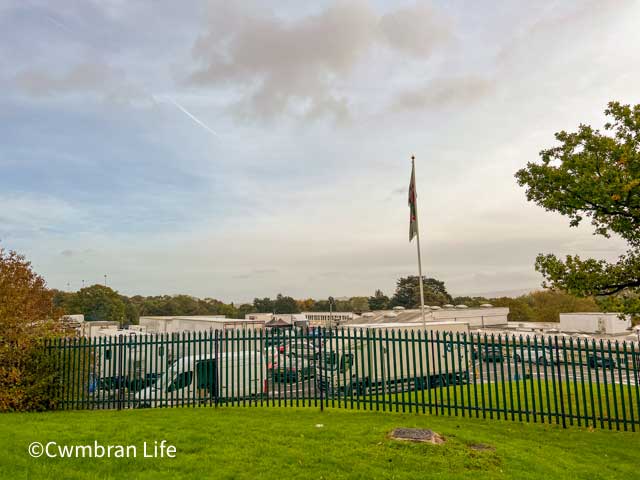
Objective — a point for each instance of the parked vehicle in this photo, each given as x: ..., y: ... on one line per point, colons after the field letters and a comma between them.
x: 357, y: 366
x: 202, y: 378
x: 290, y: 369
x: 540, y: 355
x: 492, y: 353
x: 600, y: 361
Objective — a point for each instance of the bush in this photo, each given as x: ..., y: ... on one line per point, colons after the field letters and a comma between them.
x: 27, y: 318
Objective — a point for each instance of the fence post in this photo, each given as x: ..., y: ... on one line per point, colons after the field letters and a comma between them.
x: 120, y: 379
x: 321, y: 387
x: 557, y: 361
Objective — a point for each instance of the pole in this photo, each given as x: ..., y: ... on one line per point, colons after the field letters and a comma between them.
x: 424, y: 322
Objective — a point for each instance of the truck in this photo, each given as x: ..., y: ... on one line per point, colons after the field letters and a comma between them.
x: 209, y: 378
x: 394, y: 357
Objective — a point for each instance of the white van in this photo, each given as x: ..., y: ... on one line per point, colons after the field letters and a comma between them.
x: 204, y: 379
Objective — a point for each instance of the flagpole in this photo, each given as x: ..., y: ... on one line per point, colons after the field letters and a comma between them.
x: 424, y: 322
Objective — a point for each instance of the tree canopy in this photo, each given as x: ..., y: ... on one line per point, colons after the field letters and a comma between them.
x: 594, y: 175
x: 379, y: 301
x: 27, y: 315
x: 408, y: 292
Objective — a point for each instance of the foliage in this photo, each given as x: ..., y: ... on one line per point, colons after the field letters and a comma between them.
x: 27, y: 317
x: 408, y: 292
x: 284, y: 304
x: 244, y: 309
x: 379, y: 301
x: 544, y: 305
x: 596, y: 176
x: 470, y: 301
x: 359, y: 304
x: 98, y: 303
x: 263, y: 305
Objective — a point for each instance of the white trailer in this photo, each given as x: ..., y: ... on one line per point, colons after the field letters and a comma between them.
x: 207, y: 379
x: 389, y: 357
x: 595, y: 322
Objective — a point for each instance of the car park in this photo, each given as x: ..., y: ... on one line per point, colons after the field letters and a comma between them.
x: 492, y: 353
x: 539, y: 355
x: 600, y: 361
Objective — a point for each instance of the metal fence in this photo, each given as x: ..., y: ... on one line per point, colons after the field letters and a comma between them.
x: 545, y: 380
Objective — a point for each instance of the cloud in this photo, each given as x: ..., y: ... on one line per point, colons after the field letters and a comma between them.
x: 416, y: 30
x: 281, y: 65
x: 67, y: 253
x: 443, y: 92
x: 94, y: 78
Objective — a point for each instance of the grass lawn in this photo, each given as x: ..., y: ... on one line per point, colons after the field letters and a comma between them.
x: 283, y: 443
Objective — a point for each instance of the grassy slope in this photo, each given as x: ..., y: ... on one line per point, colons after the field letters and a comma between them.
x: 285, y: 443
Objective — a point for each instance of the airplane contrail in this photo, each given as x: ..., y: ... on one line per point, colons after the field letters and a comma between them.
x: 169, y: 99
x: 193, y: 117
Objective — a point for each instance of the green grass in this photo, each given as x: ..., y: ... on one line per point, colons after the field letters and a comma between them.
x: 285, y: 443
x: 584, y: 401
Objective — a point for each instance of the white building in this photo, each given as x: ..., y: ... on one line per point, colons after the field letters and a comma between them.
x: 320, y: 318
x: 265, y: 317
x: 475, y: 317
x: 200, y: 323
x: 594, y: 322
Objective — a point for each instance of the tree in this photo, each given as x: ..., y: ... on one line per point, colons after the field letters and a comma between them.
x: 131, y: 313
x: 469, y: 301
x: 245, y: 309
x: 27, y: 316
x: 408, y: 292
x: 597, y: 176
x: 379, y: 301
x: 285, y: 305
x: 544, y: 306
x: 263, y: 305
x: 98, y: 302
x: 359, y: 304
x: 307, y: 305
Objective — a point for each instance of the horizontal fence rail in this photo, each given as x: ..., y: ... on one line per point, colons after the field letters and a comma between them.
x: 558, y: 380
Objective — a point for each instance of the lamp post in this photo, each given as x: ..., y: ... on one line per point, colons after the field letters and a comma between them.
x: 331, y: 303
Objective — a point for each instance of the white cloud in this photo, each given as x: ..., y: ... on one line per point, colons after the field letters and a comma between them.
x: 291, y: 65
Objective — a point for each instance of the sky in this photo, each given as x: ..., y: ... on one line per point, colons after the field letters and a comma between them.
x: 241, y: 149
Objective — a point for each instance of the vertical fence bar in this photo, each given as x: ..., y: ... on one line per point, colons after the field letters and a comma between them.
x: 562, y: 406
x: 583, y: 386
x: 611, y: 368
x: 629, y: 394
x: 636, y: 367
x: 446, y: 347
x: 481, y: 372
x: 417, y: 381
x: 593, y: 364
x: 441, y: 380
x: 388, y: 370
x: 620, y: 383
x: 576, y: 391
x: 492, y: 390
x: 605, y: 382
x: 511, y: 380
x: 402, y: 344
x: 526, y: 379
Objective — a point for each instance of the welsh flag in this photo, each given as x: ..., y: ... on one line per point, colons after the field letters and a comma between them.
x: 413, y: 208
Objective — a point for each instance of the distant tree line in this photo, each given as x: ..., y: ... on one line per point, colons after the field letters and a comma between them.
x: 99, y: 302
